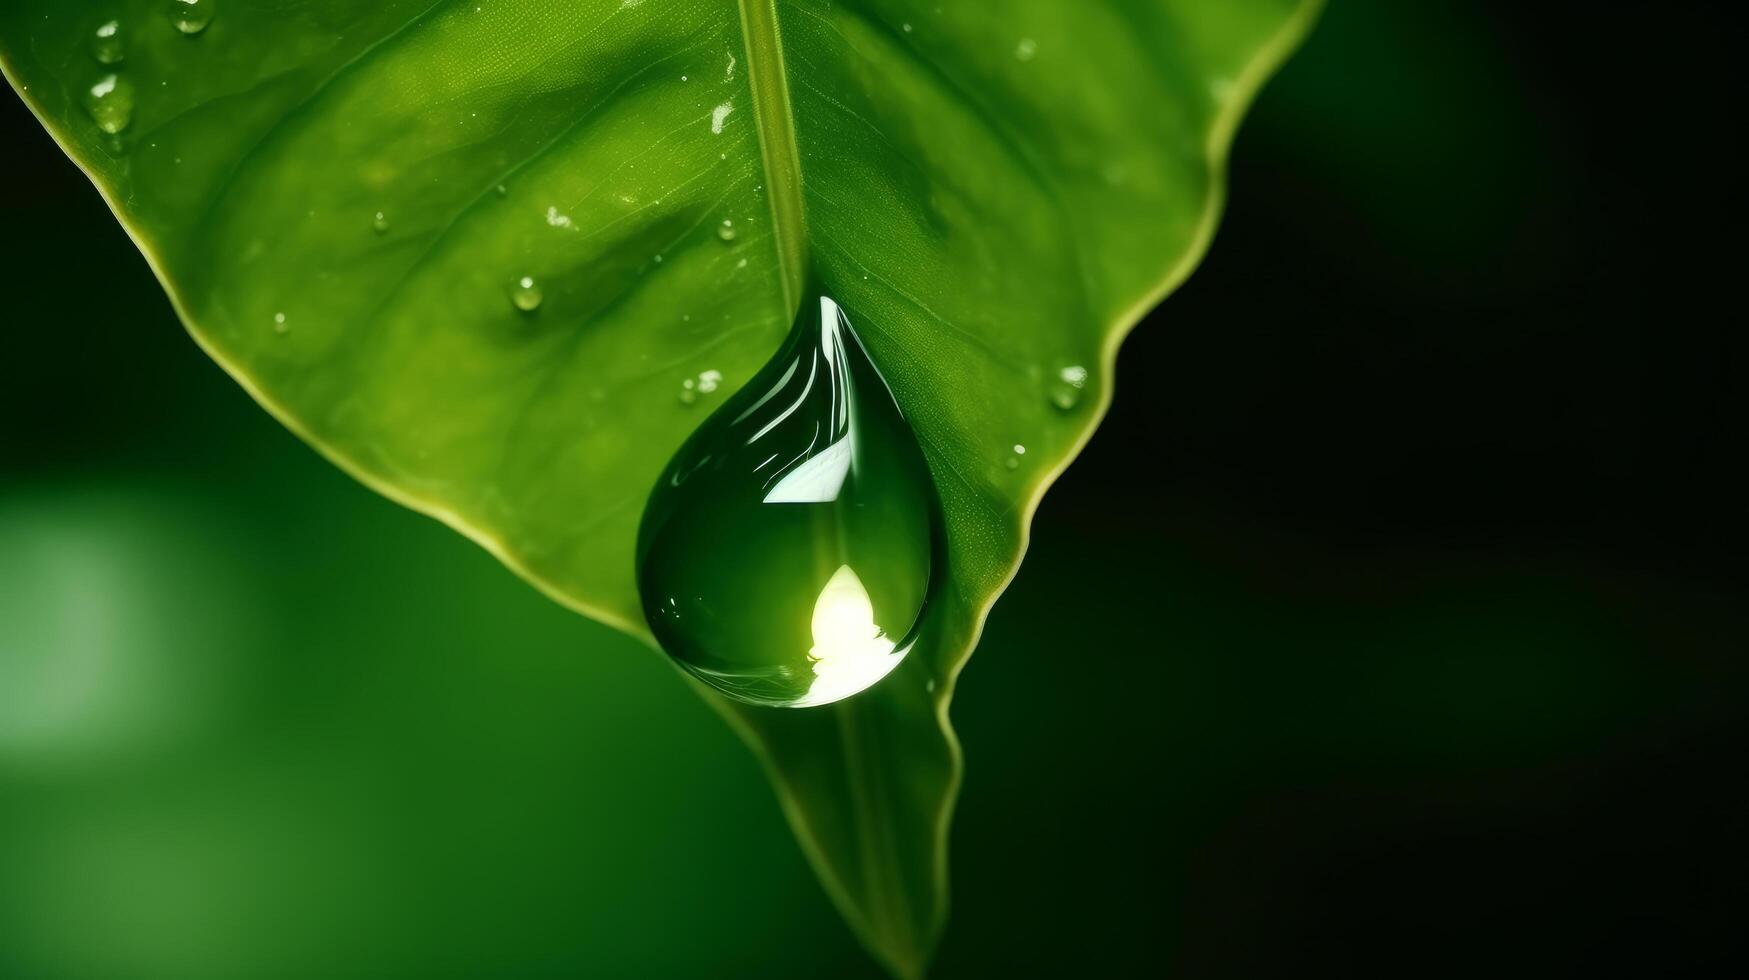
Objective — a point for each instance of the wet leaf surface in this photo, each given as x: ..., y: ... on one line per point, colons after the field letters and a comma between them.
x: 472, y: 253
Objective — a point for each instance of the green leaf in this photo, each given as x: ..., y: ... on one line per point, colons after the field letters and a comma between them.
x: 997, y: 190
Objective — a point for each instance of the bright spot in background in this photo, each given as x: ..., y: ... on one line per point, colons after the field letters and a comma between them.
x: 120, y: 621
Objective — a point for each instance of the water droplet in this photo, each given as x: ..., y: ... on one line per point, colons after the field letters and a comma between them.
x: 786, y: 553
x: 380, y: 223
x: 111, y: 103
x: 279, y: 324
x: 106, y: 44
x: 502, y: 190
x: 526, y: 294
x: 1067, y: 385
x: 726, y: 230
x: 1026, y: 50
x: 708, y: 381
x: 192, y: 16
x: 905, y: 27
x: 1013, y: 460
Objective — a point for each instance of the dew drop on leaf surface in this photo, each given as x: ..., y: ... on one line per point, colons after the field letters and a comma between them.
x: 786, y: 552
x: 111, y: 103
x: 526, y: 294
x: 192, y: 16
x: 106, y: 44
x: 1066, y: 386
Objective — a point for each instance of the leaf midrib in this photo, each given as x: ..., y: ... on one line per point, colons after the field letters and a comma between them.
x: 774, y: 121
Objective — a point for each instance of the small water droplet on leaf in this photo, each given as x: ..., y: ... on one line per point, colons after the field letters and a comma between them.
x: 1067, y: 385
x: 526, y: 295
x: 111, y: 103
x: 192, y: 16
x: 106, y: 44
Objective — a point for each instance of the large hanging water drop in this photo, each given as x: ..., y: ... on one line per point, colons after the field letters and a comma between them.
x: 786, y: 553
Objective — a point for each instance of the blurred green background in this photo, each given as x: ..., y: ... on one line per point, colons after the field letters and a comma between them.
x: 1393, y: 624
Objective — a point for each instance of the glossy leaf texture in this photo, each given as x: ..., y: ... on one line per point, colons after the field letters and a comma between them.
x: 475, y: 251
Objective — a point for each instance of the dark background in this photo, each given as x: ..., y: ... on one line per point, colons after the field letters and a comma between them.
x: 1392, y: 625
